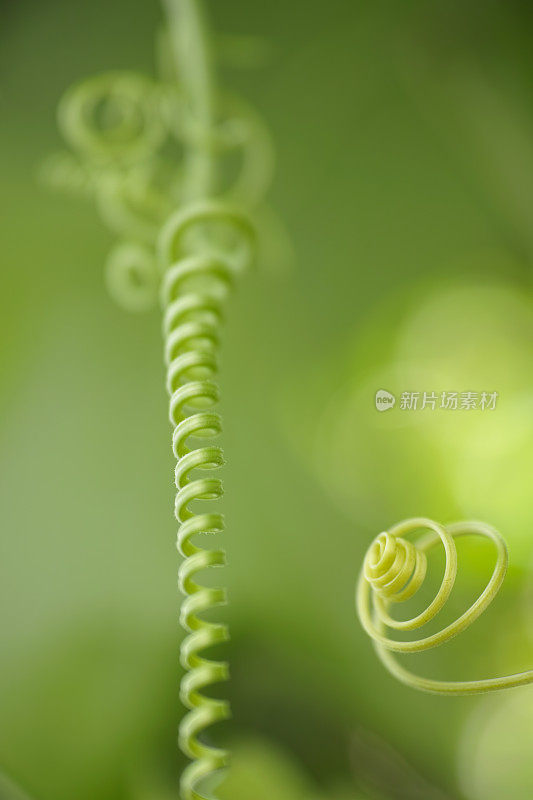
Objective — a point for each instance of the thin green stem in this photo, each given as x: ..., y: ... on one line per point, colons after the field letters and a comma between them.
x: 190, y: 42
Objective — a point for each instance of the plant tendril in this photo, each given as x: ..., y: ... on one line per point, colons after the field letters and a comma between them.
x: 151, y: 153
x: 393, y: 571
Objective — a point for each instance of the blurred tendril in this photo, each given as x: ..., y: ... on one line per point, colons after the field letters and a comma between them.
x: 140, y: 147
x: 394, y: 570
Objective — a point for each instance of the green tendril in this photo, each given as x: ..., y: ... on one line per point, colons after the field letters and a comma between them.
x: 393, y: 571
x: 142, y: 147
x: 196, y: 284
x: 153, y: 155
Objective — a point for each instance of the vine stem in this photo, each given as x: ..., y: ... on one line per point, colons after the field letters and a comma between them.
x: 191, y: 46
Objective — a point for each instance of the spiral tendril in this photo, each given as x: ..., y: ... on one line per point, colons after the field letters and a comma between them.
x: 142, y: 148
x: 195, y: 286
x: 394, y: 570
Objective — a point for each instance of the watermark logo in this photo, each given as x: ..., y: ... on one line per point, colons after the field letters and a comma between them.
x: 450, y: 401
x: 384, y: 400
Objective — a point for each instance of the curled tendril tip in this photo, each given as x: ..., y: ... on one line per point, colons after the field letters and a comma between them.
x: 394, y: 570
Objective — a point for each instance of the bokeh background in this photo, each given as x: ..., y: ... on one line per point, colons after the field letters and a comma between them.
x: 404, y: 139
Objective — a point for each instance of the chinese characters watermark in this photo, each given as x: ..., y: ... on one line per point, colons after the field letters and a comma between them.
x: 449, y: 401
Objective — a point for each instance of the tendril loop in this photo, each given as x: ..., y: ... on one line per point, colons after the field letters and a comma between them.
x: 133, y: 140
x: 394, y: 570
x: 113, y: 117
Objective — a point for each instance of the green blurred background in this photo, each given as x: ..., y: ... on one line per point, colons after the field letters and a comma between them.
x: 404, y: 139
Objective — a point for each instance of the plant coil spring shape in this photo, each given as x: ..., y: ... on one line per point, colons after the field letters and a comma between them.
x: 142, y: 148
x: 393, y: 571
x: 196, y: 281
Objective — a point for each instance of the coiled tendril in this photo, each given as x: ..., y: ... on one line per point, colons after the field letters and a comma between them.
x: 140, y: 150
x: 143, y: 148
x: 393, y: 571
x: 198, y: 276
